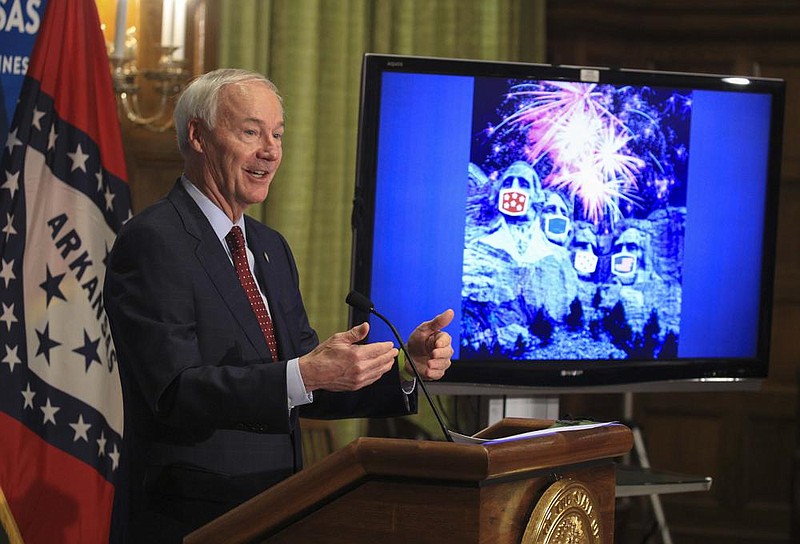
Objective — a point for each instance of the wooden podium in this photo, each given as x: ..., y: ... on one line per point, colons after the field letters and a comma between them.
x: 553, y: 488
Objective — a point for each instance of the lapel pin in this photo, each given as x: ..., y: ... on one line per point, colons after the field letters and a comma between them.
x: 266, y: 257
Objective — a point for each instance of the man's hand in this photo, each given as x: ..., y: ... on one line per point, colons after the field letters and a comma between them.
x: 341, y: 364
x: 431, y: 347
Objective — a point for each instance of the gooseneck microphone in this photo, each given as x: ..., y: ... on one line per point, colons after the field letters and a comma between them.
x: 360, y: 302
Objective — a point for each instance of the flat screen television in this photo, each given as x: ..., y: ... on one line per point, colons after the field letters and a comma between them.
x: 589, y: 226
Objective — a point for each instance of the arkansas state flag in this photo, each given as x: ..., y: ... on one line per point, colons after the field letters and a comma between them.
x: 63, y: 196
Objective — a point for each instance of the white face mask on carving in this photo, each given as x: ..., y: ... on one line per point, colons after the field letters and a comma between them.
x: 556, y: 228
x: 585, y: 261
x: 624, y: 264
x: 514, y: 201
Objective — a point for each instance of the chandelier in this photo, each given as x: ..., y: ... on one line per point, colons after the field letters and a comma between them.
x: 167, y: 78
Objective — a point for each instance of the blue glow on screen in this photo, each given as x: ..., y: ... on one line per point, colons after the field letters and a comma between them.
x: 420, y: 197
x: 724, y: 225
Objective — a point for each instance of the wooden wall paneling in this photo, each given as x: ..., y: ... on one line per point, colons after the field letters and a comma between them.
x: 747, y: 441
x: 739, y: 439
x: 783, y: 348
x: 153, y: 164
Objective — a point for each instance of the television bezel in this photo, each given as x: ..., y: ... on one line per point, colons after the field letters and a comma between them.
x: 519, y: 377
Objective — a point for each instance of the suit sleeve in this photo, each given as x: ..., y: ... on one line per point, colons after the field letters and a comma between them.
x: 384, y: 398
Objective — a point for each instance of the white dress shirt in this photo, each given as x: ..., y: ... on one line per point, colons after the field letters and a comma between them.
x: 221, y: 223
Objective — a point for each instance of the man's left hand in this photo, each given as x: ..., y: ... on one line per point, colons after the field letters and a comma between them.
x: 431, y: 347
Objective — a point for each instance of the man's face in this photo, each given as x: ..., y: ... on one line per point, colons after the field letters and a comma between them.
x: 243, y: 151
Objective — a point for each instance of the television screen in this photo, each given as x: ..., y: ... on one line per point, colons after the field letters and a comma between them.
x: 588, y: 226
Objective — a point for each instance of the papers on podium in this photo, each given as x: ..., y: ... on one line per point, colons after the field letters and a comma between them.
x: 558, y: 427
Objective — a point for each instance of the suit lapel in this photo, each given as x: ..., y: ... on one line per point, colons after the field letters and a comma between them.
x: 213, y: 259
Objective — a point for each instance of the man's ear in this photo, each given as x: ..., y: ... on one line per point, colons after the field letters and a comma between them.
x: 195, y: 135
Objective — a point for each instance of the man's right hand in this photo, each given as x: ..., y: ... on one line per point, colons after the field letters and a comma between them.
x: 340, y: 363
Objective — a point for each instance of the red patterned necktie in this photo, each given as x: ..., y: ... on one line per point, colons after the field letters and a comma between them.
x: 235, y: 240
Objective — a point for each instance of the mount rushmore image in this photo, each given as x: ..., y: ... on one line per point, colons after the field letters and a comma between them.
x: 575, y: 221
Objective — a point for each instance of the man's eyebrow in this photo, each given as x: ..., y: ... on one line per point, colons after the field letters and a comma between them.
x: 258, y: 121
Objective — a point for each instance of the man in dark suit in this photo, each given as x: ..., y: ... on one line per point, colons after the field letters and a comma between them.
x: 216, y: 353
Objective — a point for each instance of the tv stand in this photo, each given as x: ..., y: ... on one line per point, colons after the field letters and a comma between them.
x: 641, y: 480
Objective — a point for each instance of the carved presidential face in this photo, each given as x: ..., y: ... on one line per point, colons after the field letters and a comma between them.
x: 556, y: 220
x: 628, y: 255
x: 519, y: 190
x: 240, y: 155
x: 584, y: 250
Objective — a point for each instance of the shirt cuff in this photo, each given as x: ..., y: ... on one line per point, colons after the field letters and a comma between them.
x: 295, y: 388
x: 408, y: 386
x: 407, y: 379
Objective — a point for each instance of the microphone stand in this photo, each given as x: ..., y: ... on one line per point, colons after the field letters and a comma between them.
x: 421, y: 383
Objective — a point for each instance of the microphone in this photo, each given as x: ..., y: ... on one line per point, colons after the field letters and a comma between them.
x: 360, y: 302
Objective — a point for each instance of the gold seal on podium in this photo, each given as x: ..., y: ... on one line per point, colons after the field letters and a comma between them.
x: 567, y: 513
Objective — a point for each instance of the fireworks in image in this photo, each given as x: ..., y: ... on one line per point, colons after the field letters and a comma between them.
x: 616, y: 151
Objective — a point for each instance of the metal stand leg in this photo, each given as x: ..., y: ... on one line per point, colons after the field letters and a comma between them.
x: 655, y: 500
x: 644, y: 462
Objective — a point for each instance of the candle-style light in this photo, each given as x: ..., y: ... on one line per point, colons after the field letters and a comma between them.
x: 179, y: 30
x: 173, y: 28
x: 167, y: 13
x: 168, y: 77
x: 119, y: 29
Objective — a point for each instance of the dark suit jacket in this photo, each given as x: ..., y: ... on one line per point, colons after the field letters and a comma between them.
x: 206, y: 409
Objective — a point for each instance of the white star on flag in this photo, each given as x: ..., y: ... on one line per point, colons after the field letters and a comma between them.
x: 11, y: 358
x: 101, y: 445
x: 78, y: 159
x: 114, y: 455
x: 7, y: 272
x: 81, y: 429
x: 51, y: 139
x: 8, y: 315
x: 49, y: 412
x: 12, y: 141
x: 109, y: 199
x: 37, y: 118
x: 11, y: 183
x: 28, y: 395
x: 9, y: 228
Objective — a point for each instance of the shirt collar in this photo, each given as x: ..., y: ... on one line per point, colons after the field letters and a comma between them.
x: 220, y: 222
